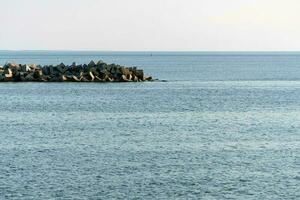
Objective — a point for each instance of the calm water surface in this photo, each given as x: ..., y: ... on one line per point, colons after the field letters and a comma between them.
x: 224, y: 126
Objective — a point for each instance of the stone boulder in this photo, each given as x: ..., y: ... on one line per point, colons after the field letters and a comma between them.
x: 91, y: 64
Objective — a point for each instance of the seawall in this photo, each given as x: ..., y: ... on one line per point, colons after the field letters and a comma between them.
x: 92, y: 72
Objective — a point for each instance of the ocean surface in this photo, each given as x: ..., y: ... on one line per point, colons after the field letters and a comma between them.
x: 223, y: 126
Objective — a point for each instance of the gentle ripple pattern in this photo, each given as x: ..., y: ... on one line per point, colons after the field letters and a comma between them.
x: 181, y: 139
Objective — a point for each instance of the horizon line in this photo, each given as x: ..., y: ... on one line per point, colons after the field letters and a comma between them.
x: 85, y: 50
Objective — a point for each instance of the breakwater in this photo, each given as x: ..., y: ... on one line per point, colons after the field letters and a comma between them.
x: 92, y: 72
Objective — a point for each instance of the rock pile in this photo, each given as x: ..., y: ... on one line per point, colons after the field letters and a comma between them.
x: 93, y: 72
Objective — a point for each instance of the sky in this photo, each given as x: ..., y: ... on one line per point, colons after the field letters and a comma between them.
x: 150, y: 25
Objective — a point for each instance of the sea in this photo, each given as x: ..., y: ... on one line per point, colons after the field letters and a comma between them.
x: 215, y: 125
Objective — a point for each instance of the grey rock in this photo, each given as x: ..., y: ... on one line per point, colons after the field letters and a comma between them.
x: 29, y: 77
x: 92, y: 64
x: 140, y: 74
x: 76, y: 79
x: 99, y: 62
x: 46, y: 70
x: 25, y: 68
x: 8, y: 73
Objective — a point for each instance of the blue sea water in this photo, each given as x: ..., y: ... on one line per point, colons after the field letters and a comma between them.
x: 223, y: 126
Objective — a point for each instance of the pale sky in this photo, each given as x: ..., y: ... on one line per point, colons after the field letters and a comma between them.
x: 150, y: 25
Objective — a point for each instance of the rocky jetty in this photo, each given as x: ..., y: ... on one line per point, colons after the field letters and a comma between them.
x: 92, y: 72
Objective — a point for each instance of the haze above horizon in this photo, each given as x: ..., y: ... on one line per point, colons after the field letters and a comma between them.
x: 142, y: 25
